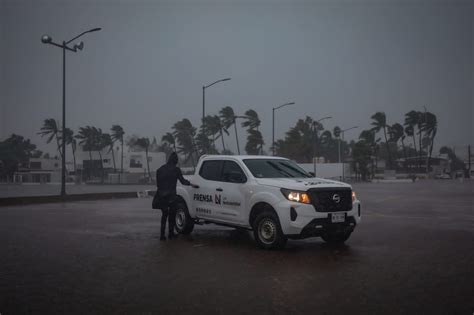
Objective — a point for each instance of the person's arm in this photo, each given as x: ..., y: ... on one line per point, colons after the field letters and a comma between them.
x: 183, y: 180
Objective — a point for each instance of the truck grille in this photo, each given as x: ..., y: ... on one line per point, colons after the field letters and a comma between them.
x: 325, y: 199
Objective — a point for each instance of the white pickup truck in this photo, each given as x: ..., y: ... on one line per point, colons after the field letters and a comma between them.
x: 272, y: 196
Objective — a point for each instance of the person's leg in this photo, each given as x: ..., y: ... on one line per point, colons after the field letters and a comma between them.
x: 172, y: 220
x: 164, y: 216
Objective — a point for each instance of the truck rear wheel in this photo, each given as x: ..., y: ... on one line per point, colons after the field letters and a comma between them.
x: 184, y: 222
x: 267, y: 231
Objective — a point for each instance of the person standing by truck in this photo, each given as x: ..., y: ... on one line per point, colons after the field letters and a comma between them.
x: 167, y: 177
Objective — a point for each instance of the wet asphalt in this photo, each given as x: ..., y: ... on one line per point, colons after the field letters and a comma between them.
x: 413, y: 253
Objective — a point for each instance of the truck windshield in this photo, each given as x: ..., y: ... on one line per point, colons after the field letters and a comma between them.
x: 275, y: 168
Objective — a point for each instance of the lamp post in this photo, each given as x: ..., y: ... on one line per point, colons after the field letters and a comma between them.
x: 315, y: 136
x: 204, y: 87
x: 273, y: 123
x: 46, y: 39
x: 342, y: 132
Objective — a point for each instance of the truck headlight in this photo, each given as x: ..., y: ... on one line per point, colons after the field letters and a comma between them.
x: 297, y: 196
x: 354, y: 197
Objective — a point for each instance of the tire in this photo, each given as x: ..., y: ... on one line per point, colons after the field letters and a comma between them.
x: 184, y: 222
x: 267, y: 231
x: 336, y: 238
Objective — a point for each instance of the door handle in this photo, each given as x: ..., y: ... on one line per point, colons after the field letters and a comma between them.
x: 219, y: 189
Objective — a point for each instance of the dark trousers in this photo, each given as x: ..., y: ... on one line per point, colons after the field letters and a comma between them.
x: 169, y: 212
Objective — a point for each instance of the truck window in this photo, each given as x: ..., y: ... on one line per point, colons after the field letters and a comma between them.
x: 232, y: 173
x: 275, y: 168
x: 211, y: 170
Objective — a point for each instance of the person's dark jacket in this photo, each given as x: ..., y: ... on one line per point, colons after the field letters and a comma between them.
x: 167, y: 177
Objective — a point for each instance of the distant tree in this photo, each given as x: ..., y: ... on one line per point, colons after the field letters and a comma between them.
x: 87, y: 140
x: 14, y: 151
x: 169, y: 138
x: 204, y: 144
x: 380, y: 123
x: 368, y: 136
x: 411, y: 120
x: 361, y: 157
x: 430, y: 128
x: 51, y: 129
x: 99, y: 144
x: 213, y: 127
x: 298, y: 143
x: 70, y: 140
x: 251, y: 120
x: 254, y: 139
x: 229, y: 118
x: 397, y: 134
x: 107, y: 142
x: 254, y: 142
x: 184, y: 133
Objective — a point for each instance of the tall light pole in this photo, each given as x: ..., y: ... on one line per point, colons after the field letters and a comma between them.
x: 46, y: 39
x: 342, y: 132
x: 315, y: 136
x: 204, y: 87
x: 273, y: 123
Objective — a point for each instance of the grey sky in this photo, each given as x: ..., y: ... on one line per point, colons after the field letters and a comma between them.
x: 145, y: 69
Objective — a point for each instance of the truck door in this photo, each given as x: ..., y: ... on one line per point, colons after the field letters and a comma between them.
x: 232, y: 201
x: 205, y: 197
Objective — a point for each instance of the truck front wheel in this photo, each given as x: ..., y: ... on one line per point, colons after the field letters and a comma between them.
x: 184, y: 222
x: 267, y: 231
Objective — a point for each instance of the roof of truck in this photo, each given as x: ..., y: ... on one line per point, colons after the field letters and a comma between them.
x: 240, y: 157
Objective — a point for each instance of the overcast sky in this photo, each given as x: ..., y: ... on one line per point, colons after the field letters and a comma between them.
x: 146, y: 68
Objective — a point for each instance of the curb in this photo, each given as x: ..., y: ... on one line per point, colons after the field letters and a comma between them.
x: 14, y: 201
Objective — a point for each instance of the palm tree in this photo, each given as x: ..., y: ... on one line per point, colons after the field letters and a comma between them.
x: 184, y: 133
x: 98, y: 145
x: 212, y: 127
x: 108, y: 142
x: 254, y: 142
x: 144, y: 143
x: 397, y: 134
x: 86, y: 139
x: 368, y: 136
x: 254, y: 138
x: 252, y: 120
x: 204, y: 144
x: 51, y: 128
x: 117, y: 135
x: 228, y: 119
x: 411, y: 119
x: 380, y: 123
x: 70, y: 140
x: 169, y: 138
x: 430, y: 127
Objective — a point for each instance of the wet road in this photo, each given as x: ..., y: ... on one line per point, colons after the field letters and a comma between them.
x: 413, y: 253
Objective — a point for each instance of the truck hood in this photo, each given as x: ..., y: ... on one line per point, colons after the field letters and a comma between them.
x: 301, y: 184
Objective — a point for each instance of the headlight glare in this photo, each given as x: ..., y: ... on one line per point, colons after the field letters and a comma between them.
x: 354, y: 197
x: 296, y: 196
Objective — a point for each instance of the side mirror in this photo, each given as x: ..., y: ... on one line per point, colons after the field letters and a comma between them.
x: 236, y: 177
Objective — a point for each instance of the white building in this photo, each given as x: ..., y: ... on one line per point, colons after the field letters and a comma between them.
x: 135, y: 168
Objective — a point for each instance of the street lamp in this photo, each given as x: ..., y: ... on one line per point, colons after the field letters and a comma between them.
x: 339, y: 148
x: 315, y: 136
x: 46, y: 39
x: 204, y: 87
x: 273, y: 123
